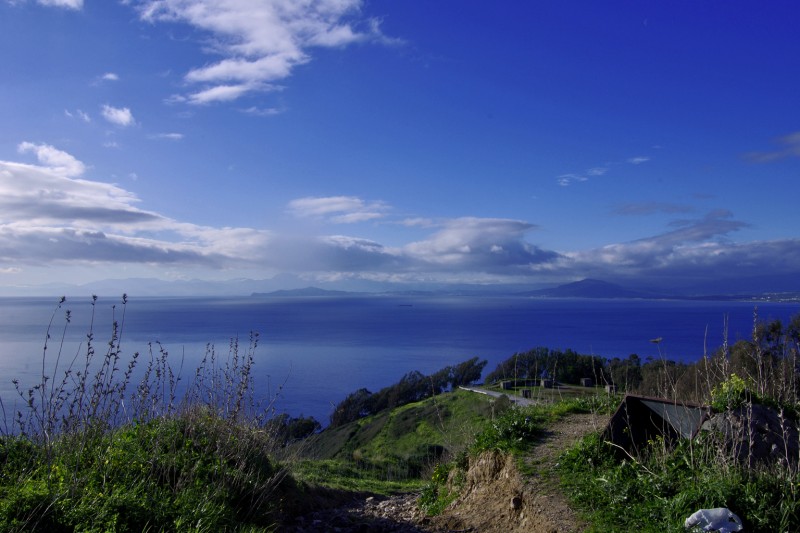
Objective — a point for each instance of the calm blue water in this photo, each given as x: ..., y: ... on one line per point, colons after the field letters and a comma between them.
x: 320, y: 349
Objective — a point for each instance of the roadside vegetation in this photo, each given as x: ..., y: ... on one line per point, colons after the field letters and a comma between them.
x: 106, y: 442
x: 752, y: 388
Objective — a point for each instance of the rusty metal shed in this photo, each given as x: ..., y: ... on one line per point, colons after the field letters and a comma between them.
x: 639, y: 419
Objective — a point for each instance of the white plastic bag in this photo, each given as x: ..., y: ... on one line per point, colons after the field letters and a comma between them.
x: 720, y: 519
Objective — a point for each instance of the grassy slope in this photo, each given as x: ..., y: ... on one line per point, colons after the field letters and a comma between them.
x: 445, y: 420
x: 393, y: 450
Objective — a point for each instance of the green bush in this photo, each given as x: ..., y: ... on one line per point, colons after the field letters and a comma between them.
x: 731, y: 393
x: 443, y: 487
x: 192, y: 471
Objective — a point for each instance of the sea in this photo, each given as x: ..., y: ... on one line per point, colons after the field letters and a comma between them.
x: 313, y: 351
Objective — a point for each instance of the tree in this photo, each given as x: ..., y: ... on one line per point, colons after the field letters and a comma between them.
x: 440, y: 380
x: 286, y: 429
x: 356, y: 405
x: 467, y: 372
x: 627, y: 373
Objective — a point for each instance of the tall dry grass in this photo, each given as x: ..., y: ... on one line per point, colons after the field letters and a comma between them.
x: 104, y: 441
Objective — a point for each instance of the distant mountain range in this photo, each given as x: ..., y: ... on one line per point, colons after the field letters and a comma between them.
x: 783, y: 289
x: 308, y: 291
x: 587, y: 288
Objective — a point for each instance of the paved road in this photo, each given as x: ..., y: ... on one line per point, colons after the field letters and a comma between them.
x: 516, y: 399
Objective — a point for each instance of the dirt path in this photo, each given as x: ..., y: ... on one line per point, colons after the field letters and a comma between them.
x: 500, y: 499
x: 497, y: 497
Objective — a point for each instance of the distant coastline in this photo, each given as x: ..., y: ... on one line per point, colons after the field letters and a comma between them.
x: 588, y: 288
x: 780, y: 289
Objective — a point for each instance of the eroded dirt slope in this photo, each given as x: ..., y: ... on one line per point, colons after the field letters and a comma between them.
x: 497, y: 498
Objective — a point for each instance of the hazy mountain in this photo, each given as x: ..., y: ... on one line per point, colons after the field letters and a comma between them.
x: 290, y: 285
x: 308, y: 291
x: 589, y: 288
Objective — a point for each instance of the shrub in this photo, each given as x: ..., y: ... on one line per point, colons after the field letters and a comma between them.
x: 514, y: 430
x: 731, y: 393
x: 94, y: 452
x: 443, y: 487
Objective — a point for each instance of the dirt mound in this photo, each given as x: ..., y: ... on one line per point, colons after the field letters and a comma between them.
x: 498, y: 498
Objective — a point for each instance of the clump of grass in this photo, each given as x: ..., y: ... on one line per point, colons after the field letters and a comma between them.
x: 193, y: 471
x: 515, y: 430
x: 354, y: 476
x: 444, y: 486
x: 659, y: 490
x: 96, y: 450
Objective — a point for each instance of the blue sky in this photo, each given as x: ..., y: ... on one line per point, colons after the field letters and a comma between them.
x: 648, y: 143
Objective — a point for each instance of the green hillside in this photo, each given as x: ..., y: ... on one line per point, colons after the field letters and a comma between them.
x: 392, y: 450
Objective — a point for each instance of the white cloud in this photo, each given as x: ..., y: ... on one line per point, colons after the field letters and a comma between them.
x: 317, y: 206
x: 265, y: 69
x: 110, y: 76
x: 222, y: 93
x: 32, y: 194
x: 68, y: 4
x: 565, y: 180
x: 358, y: 216
x: 417, y: 222
x: 596, y: 171
x: 121, y: 116
x: 791, y: 148
x: 78, y: 114
x: 261, y: 41
x: 697, y: 249
x: 480, y: 244
x: 57, y: 161
x: 263, y: 112
x: 168, y: 136
x: 337, y: 209
x: 50, y: 215
x: 648, y: 208
x: 655, y: 261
